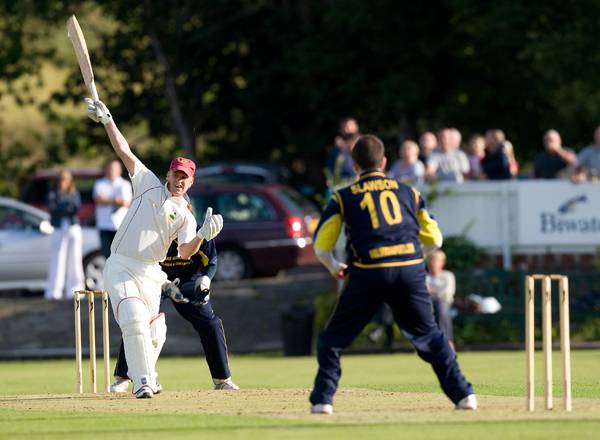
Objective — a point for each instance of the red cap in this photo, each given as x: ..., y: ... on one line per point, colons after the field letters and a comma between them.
x: 183, y: 164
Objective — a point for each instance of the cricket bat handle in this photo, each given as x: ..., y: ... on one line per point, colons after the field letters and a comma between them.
x: 93, y: 91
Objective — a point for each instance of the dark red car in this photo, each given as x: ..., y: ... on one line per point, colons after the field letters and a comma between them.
x: 36, y: 188
x: 267, y: 227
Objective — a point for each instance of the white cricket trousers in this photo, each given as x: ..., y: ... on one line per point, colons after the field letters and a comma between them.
x: 65, y: 270
x: 134, y: 288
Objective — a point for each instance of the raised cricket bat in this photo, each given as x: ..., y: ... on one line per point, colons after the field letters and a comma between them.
x: 83, y: 57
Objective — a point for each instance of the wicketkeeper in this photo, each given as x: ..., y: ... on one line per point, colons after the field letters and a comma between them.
x: 189, y: 290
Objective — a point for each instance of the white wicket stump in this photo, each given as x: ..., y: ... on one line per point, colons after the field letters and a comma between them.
x: 91, y: 294
x: 565, y: 343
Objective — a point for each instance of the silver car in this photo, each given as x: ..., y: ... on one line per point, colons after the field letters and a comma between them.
x: 25, y: 248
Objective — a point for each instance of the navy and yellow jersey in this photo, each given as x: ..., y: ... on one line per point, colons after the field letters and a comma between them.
x: 203, y: 262
x: 385, y: 221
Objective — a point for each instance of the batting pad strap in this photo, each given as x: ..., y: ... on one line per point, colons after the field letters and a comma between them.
x: 158, y: 330
x: 125, y: 299
x: 157, y: 317
x: 158, y: 334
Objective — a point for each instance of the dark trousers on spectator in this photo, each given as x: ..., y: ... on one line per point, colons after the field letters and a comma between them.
x: 210, y: 330
x: 106, y: 239
x: 404, y: 290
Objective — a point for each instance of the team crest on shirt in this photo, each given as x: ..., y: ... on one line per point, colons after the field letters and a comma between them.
x: 173, y: 216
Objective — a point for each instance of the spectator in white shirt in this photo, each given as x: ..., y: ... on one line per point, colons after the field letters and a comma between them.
x: 589, y: 157
x: 450, y: 163
x: 112, y: 195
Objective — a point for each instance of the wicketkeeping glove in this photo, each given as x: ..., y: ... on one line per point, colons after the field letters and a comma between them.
x: 201, y: 291
x: 170, y: 290
x: 97, y: 111
x: 211, y: 227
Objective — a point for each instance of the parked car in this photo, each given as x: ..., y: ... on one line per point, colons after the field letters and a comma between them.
x: 25, y: 248
x: 267, y: 227
x: 244, y: 171
x: 36, y: 188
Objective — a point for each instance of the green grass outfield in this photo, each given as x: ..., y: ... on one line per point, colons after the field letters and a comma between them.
x: 381, y: 396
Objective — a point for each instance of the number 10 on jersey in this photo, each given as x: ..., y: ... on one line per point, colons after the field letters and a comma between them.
x: 389, y: 206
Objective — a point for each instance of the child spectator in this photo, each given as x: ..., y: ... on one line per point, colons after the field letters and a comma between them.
x: 442, y: 287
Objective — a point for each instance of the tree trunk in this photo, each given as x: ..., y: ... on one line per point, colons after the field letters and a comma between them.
x: 184, y: 132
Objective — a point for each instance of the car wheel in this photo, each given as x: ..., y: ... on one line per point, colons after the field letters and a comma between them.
x: 93, y: 266
x: 232, y: 265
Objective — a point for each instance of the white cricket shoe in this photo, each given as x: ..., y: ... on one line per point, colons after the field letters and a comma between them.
x: 158, y: 388
x: 321, y: 408
x: 120, y: 385
x: 225, y: 384
x: 468, y: 403
x: 145, y: 392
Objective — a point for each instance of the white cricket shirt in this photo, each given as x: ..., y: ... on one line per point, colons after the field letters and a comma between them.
x: 109, y: 217
x: 154, y: 219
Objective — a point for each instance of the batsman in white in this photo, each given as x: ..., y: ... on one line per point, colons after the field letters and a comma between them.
x: 157, y: 215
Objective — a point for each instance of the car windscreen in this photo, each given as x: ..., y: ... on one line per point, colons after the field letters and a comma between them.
x: 297, y: 204
x: 12, y: 219
x: 244, y: 207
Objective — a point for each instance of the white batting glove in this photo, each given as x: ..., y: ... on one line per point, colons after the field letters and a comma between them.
x: 97, y: 111
x: 211, y: 227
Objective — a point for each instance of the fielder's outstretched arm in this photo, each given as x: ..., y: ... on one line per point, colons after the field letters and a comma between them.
x: 326, y: 235
x: 98, y: 112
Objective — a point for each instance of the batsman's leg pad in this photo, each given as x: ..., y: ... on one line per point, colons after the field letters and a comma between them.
x: 158, y: 333
x: 134, y: 320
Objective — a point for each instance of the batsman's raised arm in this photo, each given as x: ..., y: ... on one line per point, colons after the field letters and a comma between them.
x: 98, y: 112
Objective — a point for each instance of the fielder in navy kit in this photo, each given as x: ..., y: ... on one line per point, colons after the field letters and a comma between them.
x: 388, y: 230
x: 191, y: 298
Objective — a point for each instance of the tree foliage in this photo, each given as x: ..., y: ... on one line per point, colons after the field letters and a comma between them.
x: 267, y: 79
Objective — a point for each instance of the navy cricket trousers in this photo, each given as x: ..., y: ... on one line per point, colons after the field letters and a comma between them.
x: 404, y: 290
x: 209, y: 328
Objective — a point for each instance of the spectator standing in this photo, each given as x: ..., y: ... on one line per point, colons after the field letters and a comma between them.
x: 428, y: 144
x: 579, y: 175
x: 441, y: 284
x: 449, y: 164
x: 589, y: 157
x: 496, y: 163
x: 477, y: 150
x: 339, y: 170
x: 65, y: 271
x: 409, y: 169
x: 112, y: 195
x: 509, y: 149
x: 455, y: 138
x: 554, y: 159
